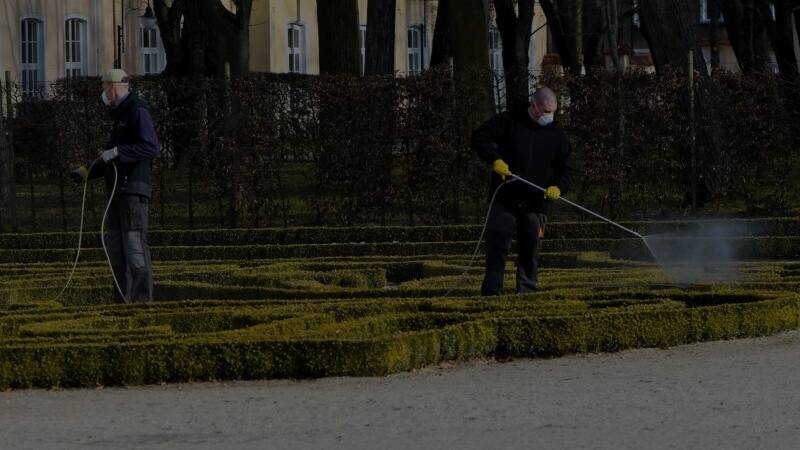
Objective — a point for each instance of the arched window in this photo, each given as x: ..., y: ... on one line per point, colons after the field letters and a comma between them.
x: 496, y: 65
x: 296, y: 48
x: 362, y: 39
x: 32, y: 56
x: 415, y: 49
x: 151, y: 60
x: 76, y: 53
x: 495, y: 52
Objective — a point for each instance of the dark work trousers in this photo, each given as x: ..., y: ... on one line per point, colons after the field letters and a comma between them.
x: 503, y: 221
x: 127, y: 247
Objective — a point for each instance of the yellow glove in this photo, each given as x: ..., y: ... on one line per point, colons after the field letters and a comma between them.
x: 552, y: 193
x: 501, y: 168
x: 78, y: 175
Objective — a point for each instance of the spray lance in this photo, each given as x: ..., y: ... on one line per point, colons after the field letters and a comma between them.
x: 102, y: 230
x: 514, y: 178
x: 573, y: 204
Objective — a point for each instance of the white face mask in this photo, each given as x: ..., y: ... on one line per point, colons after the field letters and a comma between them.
x: 545, y: 119
x: 105, y: 99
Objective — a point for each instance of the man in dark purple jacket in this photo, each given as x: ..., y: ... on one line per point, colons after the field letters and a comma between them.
x: 132, y: 147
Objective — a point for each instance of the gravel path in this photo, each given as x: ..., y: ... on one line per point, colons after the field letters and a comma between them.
x: 735, y: 394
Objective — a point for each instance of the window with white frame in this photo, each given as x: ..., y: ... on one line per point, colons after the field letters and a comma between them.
x: 296, y: 48
x: 704, y: 17
x: 75, y: 48
x: 32, y: 42
x: 415, y: 49
x: 148, y: 44
x: 362, y: 39
x: 496, y: 65
x: 495, y: 52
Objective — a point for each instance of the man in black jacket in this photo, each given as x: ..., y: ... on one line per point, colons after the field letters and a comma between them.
x: 523, y: 141
x: 132, y: 147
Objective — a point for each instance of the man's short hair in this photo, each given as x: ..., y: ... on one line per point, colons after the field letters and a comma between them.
x: 544, y: 94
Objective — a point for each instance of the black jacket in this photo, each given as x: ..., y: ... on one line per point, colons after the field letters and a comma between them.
x: 134, y: 136
x: 539, y: 154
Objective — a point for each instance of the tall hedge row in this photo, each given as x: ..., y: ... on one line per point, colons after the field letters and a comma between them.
x: 270, y: 149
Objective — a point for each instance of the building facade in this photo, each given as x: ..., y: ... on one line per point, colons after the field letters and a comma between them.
x: 284, y: 38
x: 45, y: 40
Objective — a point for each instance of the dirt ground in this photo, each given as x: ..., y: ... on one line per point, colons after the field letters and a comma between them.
x: 734, y: 394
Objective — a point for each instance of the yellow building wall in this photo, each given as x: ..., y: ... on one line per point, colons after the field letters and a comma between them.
x: 53, y: 14
x: 539, y: 40
x: 281, y: 13
x: 260, y: 48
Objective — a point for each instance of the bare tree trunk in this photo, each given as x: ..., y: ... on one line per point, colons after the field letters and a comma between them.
x: 461, y: 33
x: 577, y: 18
x: 191, y: 196
x: 338, y: 37
x: 594, y: 32
x: 626, y: 26
x: 760, y: 14
x: 200, y: 36
x: 467, y: 30
x: 781, y: 34
x: 380, y: 61
x: 470, y: 47
x: 673, y: 24
x: 669, y: 30
x: 713, y: 33
x: 796, y: 6
x: 612, y: 22
x: 739, y: 33
x: 161, y: 192
x: 7, y: 178
x: 169, y: 25
x: 746, y: 35
x: 63, y: 203
x: 33, y: 198
x: 515, y: 32
x: 441, y: 36
x: 379, y: 45
x: 565, y: 27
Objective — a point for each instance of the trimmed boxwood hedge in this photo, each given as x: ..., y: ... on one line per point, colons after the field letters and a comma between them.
x: 745, y: 248
x: 789, y: 226
x: 169, y: 342
x: 364, y: 301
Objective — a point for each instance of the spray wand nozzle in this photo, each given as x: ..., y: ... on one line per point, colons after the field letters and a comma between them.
x: 573, y: 204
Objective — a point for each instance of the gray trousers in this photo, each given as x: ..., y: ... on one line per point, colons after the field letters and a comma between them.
x: 128, y: 249
x: 503, y: 221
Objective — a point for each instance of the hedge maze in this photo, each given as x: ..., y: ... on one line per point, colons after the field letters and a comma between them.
x: 314, y: 302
